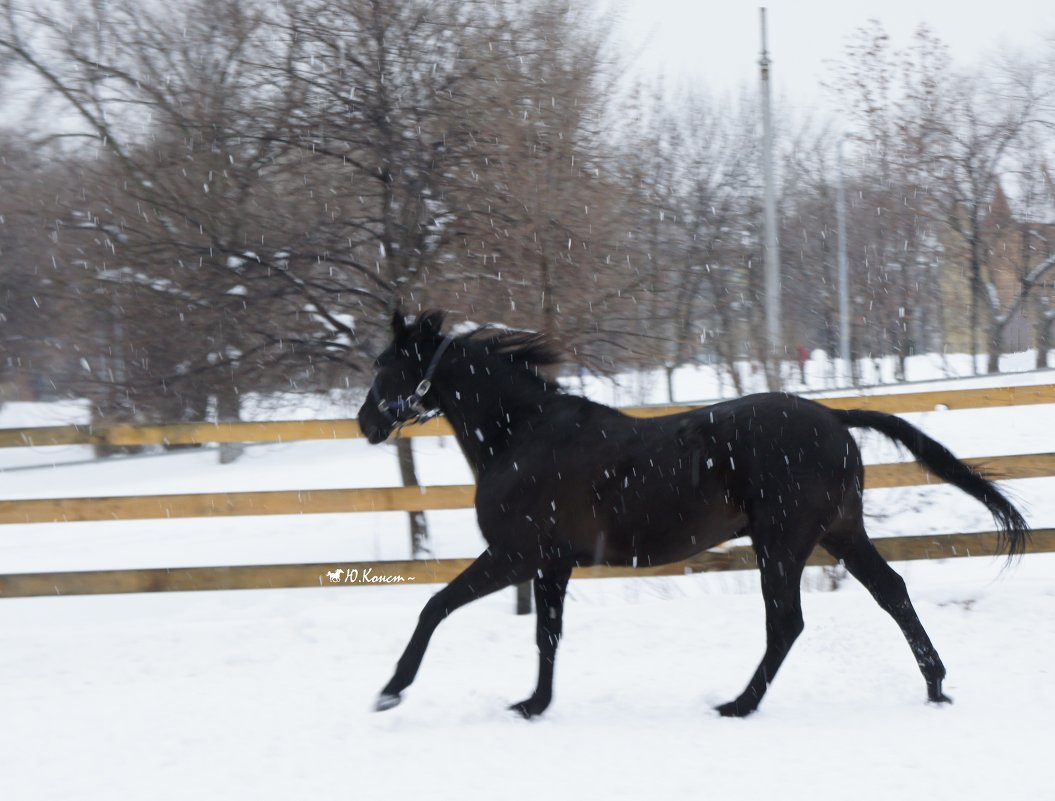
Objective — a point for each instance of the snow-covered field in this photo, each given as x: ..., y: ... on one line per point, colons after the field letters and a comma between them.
x: 265, y: 694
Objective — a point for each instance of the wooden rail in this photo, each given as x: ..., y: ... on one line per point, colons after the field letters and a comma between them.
x: 294, y: 430
x: 235, y: 504
x: 391, y: 499
x: 935, y: 546
x: 398, y: 499
x: 437, y: 497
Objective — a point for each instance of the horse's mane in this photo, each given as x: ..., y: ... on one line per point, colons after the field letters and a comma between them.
x: 522, y: 348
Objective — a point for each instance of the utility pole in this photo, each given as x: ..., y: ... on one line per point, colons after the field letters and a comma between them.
x: 772, y: 253
x: 844, y: 271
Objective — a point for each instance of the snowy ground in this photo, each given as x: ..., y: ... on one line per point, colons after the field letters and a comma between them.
x: 265, y: 694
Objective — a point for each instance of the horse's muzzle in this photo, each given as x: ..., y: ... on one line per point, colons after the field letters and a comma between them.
x: 374, y: 428
x: 377, y: 435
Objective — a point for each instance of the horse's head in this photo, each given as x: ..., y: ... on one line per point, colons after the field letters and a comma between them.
x: 400, y: 392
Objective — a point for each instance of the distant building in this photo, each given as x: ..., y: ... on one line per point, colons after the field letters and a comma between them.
x: 1019, y: 234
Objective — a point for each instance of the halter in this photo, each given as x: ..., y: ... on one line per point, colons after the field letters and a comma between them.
x: 412, y: 409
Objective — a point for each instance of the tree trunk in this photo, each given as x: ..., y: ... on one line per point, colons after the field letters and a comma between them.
x: 993, y: 363
x: 1043, y: 333
x: 977, y: 290
x: 228, y: 410
x: 728, y: 355
x: 419, y: 530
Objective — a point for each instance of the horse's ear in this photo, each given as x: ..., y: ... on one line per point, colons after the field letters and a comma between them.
x: 399, y: 324
x: 431, y: 323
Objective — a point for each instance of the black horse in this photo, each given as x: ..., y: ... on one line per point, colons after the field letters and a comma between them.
x: 564, y: 482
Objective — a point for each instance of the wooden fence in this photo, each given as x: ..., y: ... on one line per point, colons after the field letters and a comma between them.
x: 434, y: 498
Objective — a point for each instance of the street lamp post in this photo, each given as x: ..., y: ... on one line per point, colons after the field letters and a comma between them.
x: 772, y: 252
x: 844, y: 271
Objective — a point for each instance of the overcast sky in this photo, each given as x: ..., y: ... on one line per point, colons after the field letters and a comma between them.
x: 716, y: 43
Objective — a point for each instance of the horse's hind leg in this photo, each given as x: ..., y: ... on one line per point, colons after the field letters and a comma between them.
x: 781, y: 571
x: 866, y: 564
x: 489, y: 573
x: 550, y: 587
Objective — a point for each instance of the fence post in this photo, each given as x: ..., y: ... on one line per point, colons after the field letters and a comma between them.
x: 523, y: 605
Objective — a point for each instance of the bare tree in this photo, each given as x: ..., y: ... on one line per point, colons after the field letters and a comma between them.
x: 808, y: 241
x: 35, y: 360
x: 715, y: 290
x: 183, y: 199
x: 546, y: 234
x: 895, y: 99
x: 382, y: 124
x: 977, y: 138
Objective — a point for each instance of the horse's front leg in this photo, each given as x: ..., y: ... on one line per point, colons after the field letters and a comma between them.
x: 550, y: 587
x: 490, y: 572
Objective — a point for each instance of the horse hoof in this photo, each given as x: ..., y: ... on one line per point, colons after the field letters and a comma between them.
x: 733, y: 709
x: 527, y: 709
x: 935, y: 695
x: 387, y: 701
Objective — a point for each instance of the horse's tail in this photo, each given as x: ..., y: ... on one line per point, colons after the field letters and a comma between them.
x: 1014, y: 531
